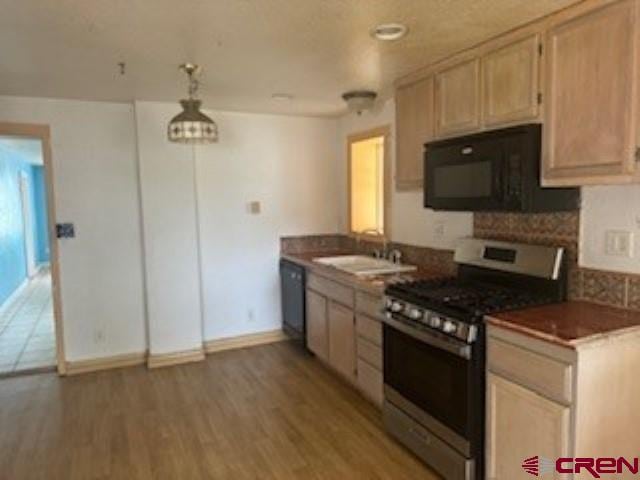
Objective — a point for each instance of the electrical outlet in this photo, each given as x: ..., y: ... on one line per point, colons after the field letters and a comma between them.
x: 251, y: 315
x: 619, y: 243
x: 254, y: 207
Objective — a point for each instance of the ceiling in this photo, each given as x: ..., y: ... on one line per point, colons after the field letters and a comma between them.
x: 250, y: 49
x: 27, y: 149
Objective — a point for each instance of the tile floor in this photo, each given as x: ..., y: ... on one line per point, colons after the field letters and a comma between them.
x: 27, y: 339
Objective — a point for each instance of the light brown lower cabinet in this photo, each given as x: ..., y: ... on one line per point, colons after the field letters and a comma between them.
x: 342, y: 340
x: 370, y: 382
x: 522, y: 424
x: 317, y: 328
x: 370, y: 359
x: 343, y: 331
x: 554, y: 401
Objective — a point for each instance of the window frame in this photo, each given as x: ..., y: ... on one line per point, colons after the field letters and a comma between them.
x: 385, y: 132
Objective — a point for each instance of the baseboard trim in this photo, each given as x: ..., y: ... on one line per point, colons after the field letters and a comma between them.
x: 158, y: 360
x: 174, y: 358
x: 242, y: 341
x: 106, y: 363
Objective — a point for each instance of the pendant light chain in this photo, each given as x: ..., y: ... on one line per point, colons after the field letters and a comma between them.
x: 191, y: 126
x: 193, y: 85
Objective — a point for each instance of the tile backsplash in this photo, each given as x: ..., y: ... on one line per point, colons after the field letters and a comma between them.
x: 313, y: 243
x: 430, y: 258
x: 562, y: 229
x: 555, y: 229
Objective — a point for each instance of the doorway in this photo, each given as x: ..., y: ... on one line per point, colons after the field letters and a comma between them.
x: 30, y: 320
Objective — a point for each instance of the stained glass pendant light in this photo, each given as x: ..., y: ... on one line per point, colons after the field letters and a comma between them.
x: 191, y: 125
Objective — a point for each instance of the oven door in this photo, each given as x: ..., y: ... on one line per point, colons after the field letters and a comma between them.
x: 466, y: 176
x: 428, y: 376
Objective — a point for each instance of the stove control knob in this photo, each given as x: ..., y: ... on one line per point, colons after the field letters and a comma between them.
x: 388, y: 302
x: 436, y: 321
x: 449, y: 327
x: 415, y: 313
x: 396, y: 307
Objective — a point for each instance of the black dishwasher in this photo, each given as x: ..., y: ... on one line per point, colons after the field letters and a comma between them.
x: 292, y: 283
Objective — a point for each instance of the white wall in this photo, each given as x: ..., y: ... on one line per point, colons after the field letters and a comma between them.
x: 294, y: 166
x: 609, y: 208
x: 411, y: 223
x: 94, y: 161
x: 288, y: 164
x: 170, y: 235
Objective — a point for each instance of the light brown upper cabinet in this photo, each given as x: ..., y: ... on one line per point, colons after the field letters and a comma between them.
x: 414, y: 127
x: 458, y: 98
x: 590, y: 133
x: 511, y: 84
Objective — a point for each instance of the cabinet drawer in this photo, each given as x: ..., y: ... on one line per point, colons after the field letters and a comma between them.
x: 331, y: 289
x: 539, y: 373
x: 368, y: 304
x: 370, y: 353
x: 370, y: 382
x: 369, y: 329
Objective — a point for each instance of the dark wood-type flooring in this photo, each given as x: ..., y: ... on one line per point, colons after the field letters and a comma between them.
x: 269, y: 412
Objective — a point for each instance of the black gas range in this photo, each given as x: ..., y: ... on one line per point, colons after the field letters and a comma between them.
x: 434, y: 347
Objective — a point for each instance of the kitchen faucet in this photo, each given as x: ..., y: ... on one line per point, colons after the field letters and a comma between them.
x: 393, y: 255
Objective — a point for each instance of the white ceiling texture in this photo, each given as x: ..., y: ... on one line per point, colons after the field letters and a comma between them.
x: 250, y: 49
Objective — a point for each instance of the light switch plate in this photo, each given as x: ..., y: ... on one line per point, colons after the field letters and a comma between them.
x: 65, y: 230
x: 619, y: 243
x: 254, y: 207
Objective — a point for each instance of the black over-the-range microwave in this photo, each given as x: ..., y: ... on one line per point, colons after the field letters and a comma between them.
x: 497, y: 170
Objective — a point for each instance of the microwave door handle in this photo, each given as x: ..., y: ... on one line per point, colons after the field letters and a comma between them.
x: 448, y: 345
x: 499, y: 181
x: 506, y: 176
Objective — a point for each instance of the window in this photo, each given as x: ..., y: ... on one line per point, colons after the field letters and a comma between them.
x: 368, y: 166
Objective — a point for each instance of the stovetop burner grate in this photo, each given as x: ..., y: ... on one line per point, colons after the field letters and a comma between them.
x: 469, y: 299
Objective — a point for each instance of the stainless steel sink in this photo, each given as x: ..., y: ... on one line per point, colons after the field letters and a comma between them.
x: 362, y: 265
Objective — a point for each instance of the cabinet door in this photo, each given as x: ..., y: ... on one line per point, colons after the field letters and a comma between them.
x: 591, y: 89
x: 520, y: 425
x: 510, y: 77
x: 458, y: 98
x: 342, y: 340
x: 414, y: 127
x: 370, y: 382
x: 317, y: 328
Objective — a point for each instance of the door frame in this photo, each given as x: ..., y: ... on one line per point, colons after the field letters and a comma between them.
x: 43, y: 133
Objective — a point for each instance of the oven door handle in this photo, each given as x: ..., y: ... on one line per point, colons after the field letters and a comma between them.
x: 450, y: 346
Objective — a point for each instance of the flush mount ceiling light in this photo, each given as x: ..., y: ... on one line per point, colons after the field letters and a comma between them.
x: 191, y: 125
x: 389, y: 31
x: 360, y: 100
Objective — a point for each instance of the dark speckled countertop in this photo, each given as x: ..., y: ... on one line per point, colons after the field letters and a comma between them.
x: 569, y: 324
x: 374, y: 284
